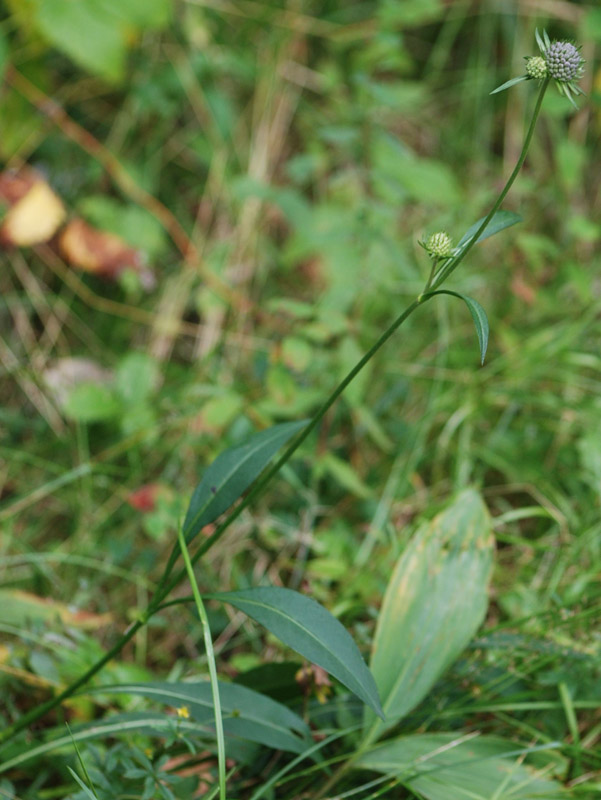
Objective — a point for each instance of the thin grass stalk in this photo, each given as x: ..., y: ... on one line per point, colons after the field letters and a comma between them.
x: 206, y: 630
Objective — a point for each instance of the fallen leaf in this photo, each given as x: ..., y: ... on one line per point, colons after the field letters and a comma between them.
x: 35, y: 211
x: 18, y: 608
x: 96, y: 251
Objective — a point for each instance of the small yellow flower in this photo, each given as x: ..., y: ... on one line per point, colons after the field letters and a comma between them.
x: 183, y: 712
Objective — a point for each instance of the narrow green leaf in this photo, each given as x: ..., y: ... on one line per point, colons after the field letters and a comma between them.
x: 84, y: 788
x: 449, y: 766
x: 215, y: 696
x: 500, y: 221
x: 478, y: 315
x: 543, y: 41
x: 507, y: 84
x: 246, y: 713
x: 231, y: 474
x: 434, y: 604
x: 312, y: 631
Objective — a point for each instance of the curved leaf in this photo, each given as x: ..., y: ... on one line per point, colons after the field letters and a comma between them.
x: 246, y: 713
x: 449, y: 766
x: 312, y: 631
x: 434, y: 603
x: 478, y: 315
x: 231, y: 474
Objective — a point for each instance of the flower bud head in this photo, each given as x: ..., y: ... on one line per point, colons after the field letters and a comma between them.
x: 564, y: 62
x: 536, y: 67
x: 439, y: 245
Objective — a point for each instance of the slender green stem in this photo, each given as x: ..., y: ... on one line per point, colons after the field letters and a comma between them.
x: 206, y: 630
x: 432, y: 275
x: 180, y: 601
x: 296, y: 443
x: 448, y: 268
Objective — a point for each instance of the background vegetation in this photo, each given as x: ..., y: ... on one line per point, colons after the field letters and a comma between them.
x: 273, y: 165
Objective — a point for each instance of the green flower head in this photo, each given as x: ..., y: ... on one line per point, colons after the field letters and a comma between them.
x: 536, y: 67
x: 438, y: 245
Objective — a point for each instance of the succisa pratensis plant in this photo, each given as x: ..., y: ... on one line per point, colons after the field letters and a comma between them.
x: 298, y: 621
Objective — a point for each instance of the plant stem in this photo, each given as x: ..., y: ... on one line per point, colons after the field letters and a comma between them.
x: 296, y: 443
x: 448, y: 268
x: 431, y: 276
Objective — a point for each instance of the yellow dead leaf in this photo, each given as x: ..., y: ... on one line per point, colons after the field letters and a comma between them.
x: 34, y: 218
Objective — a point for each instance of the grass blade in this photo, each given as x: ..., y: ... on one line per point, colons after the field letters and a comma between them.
x: 212, y: 666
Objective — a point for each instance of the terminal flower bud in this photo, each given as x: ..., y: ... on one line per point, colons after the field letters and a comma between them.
x: 439, y: 245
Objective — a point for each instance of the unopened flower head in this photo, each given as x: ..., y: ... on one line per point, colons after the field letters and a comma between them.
x: 564, y: 61
x: 439, y: 245
x: 564, y: 64
x: 536, y: 67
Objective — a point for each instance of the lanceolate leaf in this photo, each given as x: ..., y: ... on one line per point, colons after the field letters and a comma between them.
x: 312, y: 631
x: 449, y: 766
x: 509, y: 83
x: 231, y: 474
x: 246, y: 713
x: 478, y: 315
x: 500, y: 221
x: 434, y: 604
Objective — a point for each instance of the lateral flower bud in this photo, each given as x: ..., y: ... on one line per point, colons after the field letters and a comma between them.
x: 536, y: 67
x: 439, y: 245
